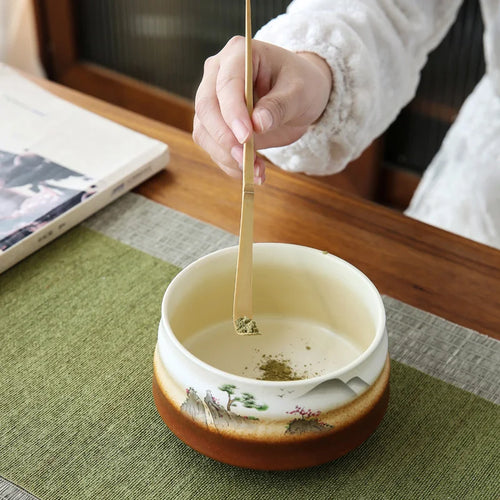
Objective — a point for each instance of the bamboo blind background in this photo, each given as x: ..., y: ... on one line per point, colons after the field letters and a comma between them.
x: 165, y: 42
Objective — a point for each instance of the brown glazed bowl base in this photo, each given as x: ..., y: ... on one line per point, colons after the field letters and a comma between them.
x: 361, y: 417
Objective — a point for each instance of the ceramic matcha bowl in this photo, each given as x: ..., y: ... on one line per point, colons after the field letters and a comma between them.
x: 323, y: 330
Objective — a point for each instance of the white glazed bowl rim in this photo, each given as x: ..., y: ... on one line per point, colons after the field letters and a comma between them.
x: 202, y: 261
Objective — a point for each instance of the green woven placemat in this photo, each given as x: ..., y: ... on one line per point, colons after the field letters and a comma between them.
x: 78, y: 328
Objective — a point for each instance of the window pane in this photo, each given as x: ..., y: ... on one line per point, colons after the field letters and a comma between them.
x: 163, y: 42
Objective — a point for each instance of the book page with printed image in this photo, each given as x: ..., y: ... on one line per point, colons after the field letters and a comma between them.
x: 60, y: 163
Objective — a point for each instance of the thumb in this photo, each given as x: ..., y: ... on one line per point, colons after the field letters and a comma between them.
x: 274, y: 109
x: 263, y: 120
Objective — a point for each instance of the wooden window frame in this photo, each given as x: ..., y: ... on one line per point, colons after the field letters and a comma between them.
x: 56, y: 30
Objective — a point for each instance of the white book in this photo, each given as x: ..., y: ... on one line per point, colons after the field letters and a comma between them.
x: 59, y: 164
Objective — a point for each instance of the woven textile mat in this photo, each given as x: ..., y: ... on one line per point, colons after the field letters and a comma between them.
x: 78, y: 326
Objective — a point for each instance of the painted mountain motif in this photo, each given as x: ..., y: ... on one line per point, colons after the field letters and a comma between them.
x: 209, y: 411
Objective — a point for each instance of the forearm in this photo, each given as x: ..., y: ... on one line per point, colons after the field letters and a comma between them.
x: 375, y: 51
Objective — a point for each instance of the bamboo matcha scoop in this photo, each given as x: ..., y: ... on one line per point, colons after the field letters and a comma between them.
x: 242, y: 305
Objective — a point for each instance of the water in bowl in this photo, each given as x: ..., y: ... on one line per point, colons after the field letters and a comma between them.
x: 309, y: 349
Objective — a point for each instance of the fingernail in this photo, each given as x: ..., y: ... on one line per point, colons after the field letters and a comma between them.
x: 257, y: 171
x: 240, y: 131
x: 259, y: 180
x: 264, y: 119
x: 237, y: 154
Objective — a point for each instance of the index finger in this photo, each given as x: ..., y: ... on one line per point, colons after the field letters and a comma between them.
x: 230, y: 89
x: 207, y: 108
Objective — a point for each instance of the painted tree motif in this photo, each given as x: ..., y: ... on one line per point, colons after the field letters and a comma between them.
x: 246, y: 399
x: 229, y: 389
x: 305, y: 414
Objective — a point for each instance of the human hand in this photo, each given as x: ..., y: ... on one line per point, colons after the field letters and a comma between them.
x: 291, y: 91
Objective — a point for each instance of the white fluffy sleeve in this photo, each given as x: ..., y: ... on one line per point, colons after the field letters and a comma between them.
x: 376, y: 50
